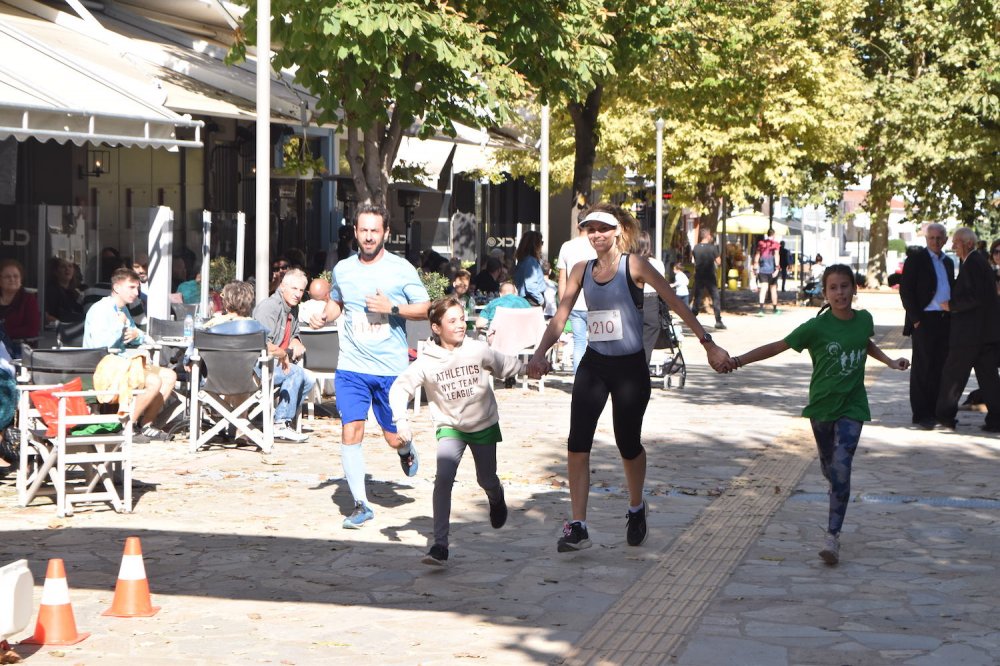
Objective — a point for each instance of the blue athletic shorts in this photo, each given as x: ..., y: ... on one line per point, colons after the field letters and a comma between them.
x: 357, y: 392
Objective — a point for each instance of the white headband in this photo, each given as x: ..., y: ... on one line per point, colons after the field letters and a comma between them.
x: 600, y: 216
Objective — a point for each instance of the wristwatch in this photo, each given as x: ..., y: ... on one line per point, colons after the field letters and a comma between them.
x: 706, y: 339
x: 394, y: 310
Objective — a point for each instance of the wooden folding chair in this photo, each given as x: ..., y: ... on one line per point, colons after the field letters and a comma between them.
x: 74, y: 468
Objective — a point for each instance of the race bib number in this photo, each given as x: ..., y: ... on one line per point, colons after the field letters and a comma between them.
x: 604, y: 325
x: 370, y: 326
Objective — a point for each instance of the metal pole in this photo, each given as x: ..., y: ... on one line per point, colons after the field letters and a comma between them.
x: 263, y: 182
x: 659, y: 189
x: 543, y: 187
x: 206, y: 258
x: 241, y: 240
x: 725, y: 257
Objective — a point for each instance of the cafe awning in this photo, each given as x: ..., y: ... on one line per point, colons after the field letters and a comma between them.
x: 753, y: 223
x: 50, y: 91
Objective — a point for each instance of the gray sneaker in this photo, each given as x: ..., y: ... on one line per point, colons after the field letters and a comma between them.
x: 362, y: 514
x: 831, y: 549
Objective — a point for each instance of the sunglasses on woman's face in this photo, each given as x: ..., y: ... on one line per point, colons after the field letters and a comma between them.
x: 280, y: 267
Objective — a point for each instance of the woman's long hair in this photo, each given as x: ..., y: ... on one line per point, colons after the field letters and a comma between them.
x: 530, y: 246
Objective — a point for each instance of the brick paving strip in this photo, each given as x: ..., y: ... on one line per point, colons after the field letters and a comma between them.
x: 652, y: 619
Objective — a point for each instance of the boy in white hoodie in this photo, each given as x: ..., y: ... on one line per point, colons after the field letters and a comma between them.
x: 454, y: 373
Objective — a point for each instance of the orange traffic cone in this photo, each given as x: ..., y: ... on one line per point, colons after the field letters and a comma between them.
x: 56, y: 625
x: 132, y: 590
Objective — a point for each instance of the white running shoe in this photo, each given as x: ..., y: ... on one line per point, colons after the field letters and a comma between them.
x: 284, y: 432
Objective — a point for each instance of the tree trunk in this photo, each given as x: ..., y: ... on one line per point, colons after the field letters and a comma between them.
x: 371, y: 158
x: 586, y: 135
x: 880, y: 197
x: 710, y: 203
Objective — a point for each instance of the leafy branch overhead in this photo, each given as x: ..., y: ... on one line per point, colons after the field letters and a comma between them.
x: 381, y: 68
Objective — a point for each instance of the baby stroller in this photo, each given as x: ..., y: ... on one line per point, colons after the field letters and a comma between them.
x: 667, y: 361
x: 811, y: 293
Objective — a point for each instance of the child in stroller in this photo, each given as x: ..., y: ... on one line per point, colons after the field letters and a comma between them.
x: 811, y: 291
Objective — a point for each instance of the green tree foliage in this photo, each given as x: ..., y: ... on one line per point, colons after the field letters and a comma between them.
x: 757, y: 97
x: 764, y: 97
x: 381, y: 68
x: 590, y: 52
x: 935, y: 130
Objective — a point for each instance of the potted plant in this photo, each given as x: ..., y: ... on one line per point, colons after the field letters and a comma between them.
x: 297, y: 161
x: 435, y: 283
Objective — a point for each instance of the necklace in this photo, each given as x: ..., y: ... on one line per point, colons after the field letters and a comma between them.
x: 610, y: 266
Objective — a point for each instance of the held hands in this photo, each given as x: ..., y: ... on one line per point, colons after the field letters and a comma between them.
x: 899, y: 364
x: 719, y: 359
x: 538, y: 366
x: 378, y: 303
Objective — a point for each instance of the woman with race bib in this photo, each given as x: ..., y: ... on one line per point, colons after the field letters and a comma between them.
x: 614, y: 363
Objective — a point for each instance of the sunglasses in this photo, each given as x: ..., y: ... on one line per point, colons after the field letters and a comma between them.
x: 280, y: 267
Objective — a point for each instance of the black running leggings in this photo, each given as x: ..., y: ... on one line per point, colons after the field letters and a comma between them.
x: 626, y: 380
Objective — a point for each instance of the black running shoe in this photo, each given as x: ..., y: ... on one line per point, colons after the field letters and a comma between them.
x: 498, y: 512
x: 436, y: 557
x: 635, y: 528
x: 575, y: 537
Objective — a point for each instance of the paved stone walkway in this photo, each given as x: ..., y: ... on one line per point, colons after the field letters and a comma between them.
x: 246, y: 555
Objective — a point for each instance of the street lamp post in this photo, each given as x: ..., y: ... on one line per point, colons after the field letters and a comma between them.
x: 659, y: 189
x: 543, y: 186
x: 262, y: 187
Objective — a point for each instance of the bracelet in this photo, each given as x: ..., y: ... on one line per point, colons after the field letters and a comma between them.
x: 739, y: 361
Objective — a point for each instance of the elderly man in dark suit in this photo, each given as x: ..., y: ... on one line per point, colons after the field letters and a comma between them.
x: 974, y: 337
x: 928, y: 277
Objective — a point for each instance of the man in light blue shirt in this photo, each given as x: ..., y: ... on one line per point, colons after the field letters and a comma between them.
x: 376, y: 292
x: 109, y: 324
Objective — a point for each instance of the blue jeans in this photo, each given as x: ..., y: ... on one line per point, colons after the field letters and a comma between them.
x: 578, y: 322
x: 293, y: 385
x: 837, y: 441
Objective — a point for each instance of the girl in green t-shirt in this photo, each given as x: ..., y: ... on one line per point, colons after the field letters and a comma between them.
x: 839, y: 341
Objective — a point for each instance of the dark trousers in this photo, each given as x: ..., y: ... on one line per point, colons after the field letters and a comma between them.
x: 706, y: 284
x: 960, y: 361
x: 930, y: 347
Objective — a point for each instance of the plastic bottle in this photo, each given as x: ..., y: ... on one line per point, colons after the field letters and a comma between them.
x: 188, y: 326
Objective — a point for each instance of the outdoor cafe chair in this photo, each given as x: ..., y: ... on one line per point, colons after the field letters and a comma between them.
x: 225, y: 390
x: 69, y: 334
x: 168, y: 347
x: 322, y: 350
x: 516, y: 332
x: 182, y: 310
x: 57, y: 460
x: 418, y: 332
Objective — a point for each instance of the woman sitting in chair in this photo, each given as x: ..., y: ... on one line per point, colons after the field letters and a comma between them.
x: 235, y: 319
x: 18, y: 308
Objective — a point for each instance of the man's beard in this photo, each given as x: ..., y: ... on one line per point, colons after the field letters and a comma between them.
x: 368, y: 256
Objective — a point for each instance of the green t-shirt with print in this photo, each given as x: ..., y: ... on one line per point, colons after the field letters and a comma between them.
x: 838, y: 349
